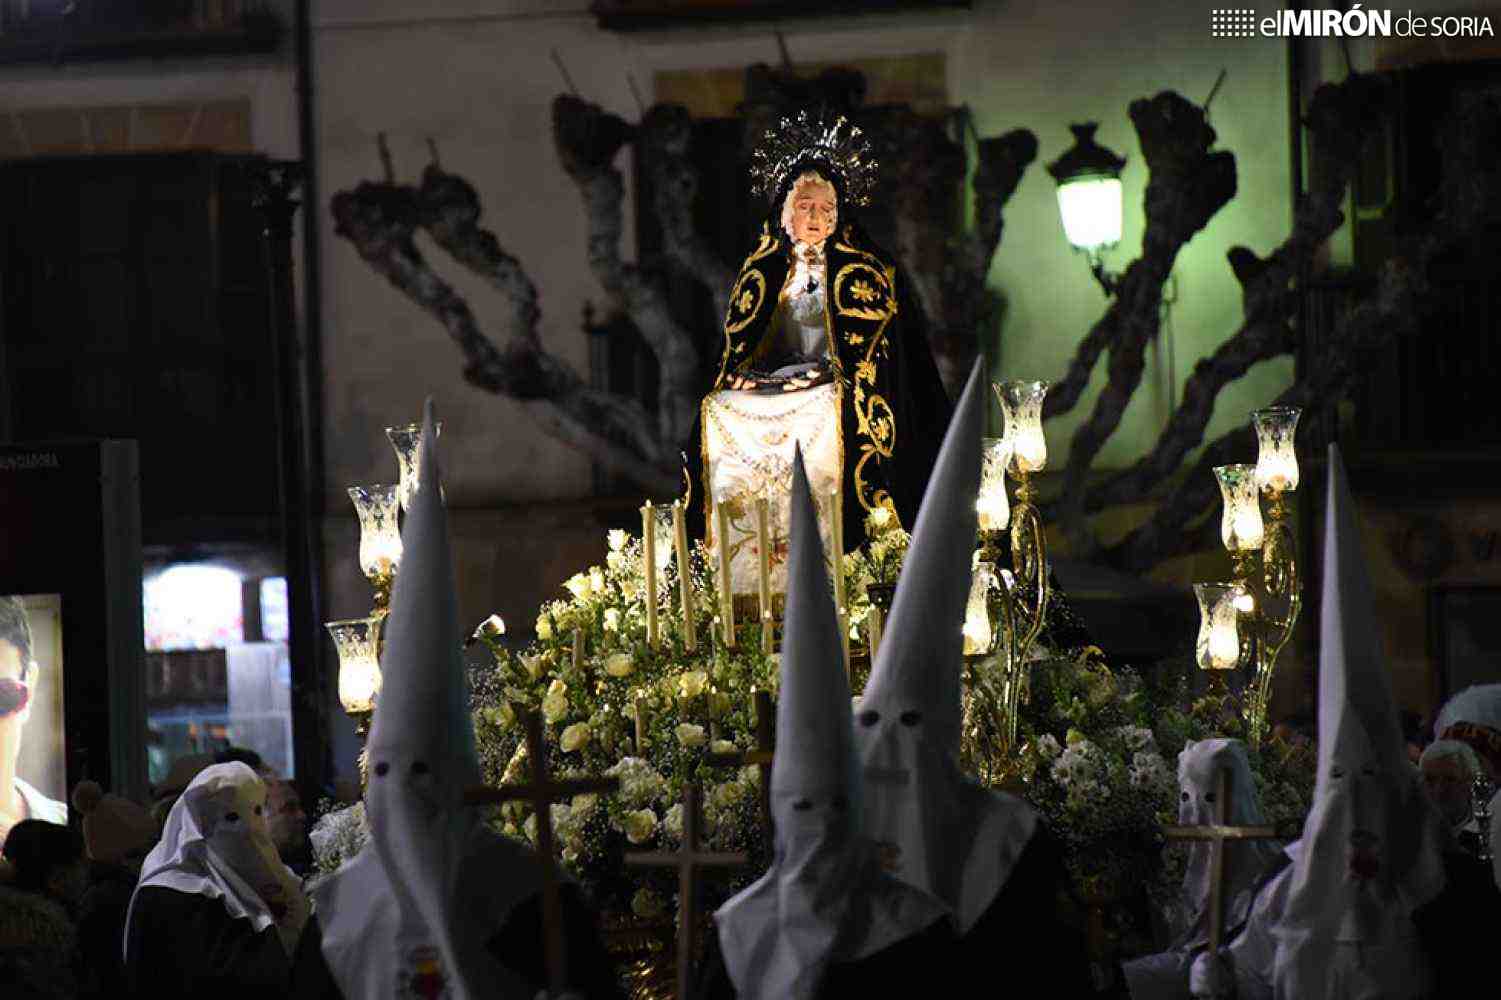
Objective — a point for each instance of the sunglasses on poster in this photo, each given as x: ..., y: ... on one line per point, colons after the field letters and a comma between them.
x: 13, y: 696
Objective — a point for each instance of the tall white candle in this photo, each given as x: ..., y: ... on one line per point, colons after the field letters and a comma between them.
x: 685, y: 575
x: 726, y: 590
x: 649, y: 562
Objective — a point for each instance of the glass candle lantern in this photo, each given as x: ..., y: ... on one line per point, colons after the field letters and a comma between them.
x: 405, y: 440
x: 991, y: 505
x: 358, y: 643
x: 1240, y: 526
x: 1218, y: 645
x: 380, y: 538
x: 979, y: 633
x: 1022, y: 404
x: 1277, y: 455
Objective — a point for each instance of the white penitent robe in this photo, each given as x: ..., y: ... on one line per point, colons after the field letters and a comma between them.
x: 1393, y: 969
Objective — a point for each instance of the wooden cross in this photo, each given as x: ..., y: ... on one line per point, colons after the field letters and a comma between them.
x: 542, y: 792
x: 1217, y: 833
x: 688, y: 860
x: 760, y: 757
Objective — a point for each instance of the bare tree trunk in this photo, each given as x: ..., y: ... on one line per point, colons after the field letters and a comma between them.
x: 1188, y: 184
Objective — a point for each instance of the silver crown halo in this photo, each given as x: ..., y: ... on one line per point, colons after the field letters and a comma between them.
x: 801, y: 141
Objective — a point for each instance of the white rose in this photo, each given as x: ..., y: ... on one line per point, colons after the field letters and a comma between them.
x: 544, y: 627
x: 691, y: 735
x: 532, y: 664
x: 577, y: 585
x: 584, y: 804
x: 721, y: 746
x: 612, y: 619
x: 693, y: 683
x: 646, y: 904
x: 555, y: 703
x: 673, y: 821
x: 596, y: 580
x: 640, y: 825
x: 620, y: 665
x: 575, y: 736
x: 617, y: 538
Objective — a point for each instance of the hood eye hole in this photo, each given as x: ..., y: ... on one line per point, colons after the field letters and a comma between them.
x: 419, y: 767
x: 258, y: 810
x: 911, y: 717
x: 1209, y: 796
x: 870, y: 717
x: 1185, y: 796
x: 1336, y: 772
x: 802, y: 805
x: 840, y: 803
x: 381, y: 769
x: 233, y: 817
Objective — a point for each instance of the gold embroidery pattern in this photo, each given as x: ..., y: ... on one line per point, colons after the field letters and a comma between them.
x: 865, y: 284
x: 745, y: 299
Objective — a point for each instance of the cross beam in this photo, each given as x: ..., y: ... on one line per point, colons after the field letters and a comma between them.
x: 541, y: 793
x: 688, y: 860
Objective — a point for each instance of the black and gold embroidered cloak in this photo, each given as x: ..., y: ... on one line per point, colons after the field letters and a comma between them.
x: 893, y: 408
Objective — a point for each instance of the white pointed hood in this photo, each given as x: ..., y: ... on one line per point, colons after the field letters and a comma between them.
x: 215, y: 843
x: 1371, y: 843
x: 405, y: 905
x: 1199, y: 767
x: 953, y: 839
x: 825, y: 897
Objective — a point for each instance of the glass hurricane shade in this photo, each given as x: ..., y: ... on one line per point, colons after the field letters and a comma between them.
x: 358, y: 643
x: 1240, y: 525
x: 1218, y: 645
x: 1277, y: 454
x: 978, y: 631
x: 405, y: 441
x: 1021, y: 402
x: 991, y: 505
x: 380, y: 536
x: 1091, y: 212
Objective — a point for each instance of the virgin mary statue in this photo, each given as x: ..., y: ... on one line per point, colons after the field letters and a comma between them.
x: 821, y: 350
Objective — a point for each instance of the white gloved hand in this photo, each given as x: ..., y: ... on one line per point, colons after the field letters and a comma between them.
x: 1212, y: 977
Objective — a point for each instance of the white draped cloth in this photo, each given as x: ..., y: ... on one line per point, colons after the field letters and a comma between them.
x: 749, y: 440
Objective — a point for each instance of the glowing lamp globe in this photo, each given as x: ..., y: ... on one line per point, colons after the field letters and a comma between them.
x: 358, y: 643
x: 1241, y: 527
x: 1089, y: 191
x: 991, y: 505
x: 1277, y: 456
x: 1218, y: 645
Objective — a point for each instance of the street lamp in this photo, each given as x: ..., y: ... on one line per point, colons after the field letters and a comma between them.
x: 1089, y: 198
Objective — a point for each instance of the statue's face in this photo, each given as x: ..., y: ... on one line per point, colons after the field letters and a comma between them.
x: 814, y: 210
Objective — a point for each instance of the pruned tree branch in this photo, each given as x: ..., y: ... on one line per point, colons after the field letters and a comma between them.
x: 381, y: 220
x: 1342, y: 117
x: 1188, y: 184
x: 1467, y: 209
x: 667, y: 128
x: 587, y: 139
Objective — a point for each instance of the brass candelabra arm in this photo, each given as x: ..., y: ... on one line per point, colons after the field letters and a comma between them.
x: 1277, y: 609
x: 1029, y: 562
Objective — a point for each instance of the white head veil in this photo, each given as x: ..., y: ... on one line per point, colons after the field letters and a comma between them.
x: 416, y: 899
x: 215, y: 843
x: 1371, y: 843
x: 955, y: 840
x: 825, y: 897
x: 1199, y: 767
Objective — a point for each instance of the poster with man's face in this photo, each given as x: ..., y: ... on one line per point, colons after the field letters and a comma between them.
x: 33, y: 765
